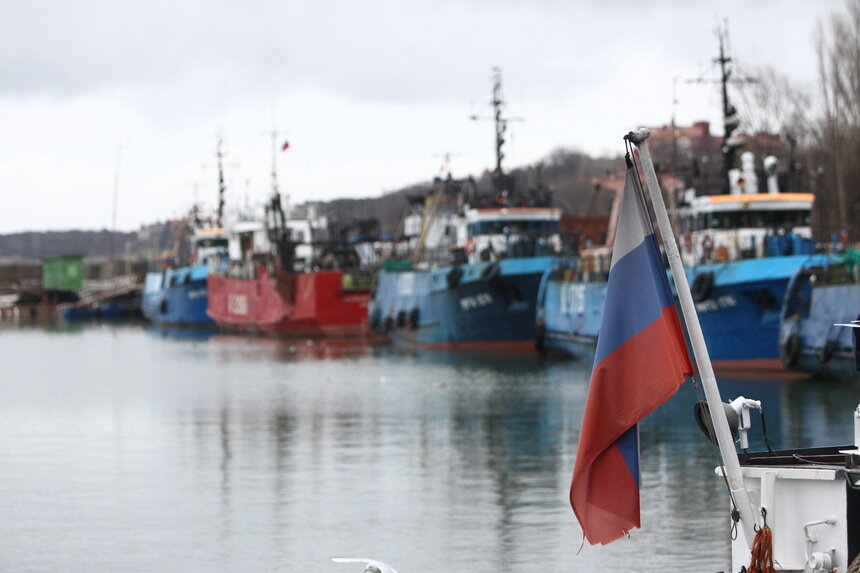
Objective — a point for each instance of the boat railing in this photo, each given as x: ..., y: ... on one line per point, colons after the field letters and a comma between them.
x: 98, y: 290
x: 357, y: 279
x: 838, y: 273
x: 512, y: 245
x: 247, y: 270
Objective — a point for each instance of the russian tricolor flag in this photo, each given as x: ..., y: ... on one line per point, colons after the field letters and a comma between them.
x: 641, y: 360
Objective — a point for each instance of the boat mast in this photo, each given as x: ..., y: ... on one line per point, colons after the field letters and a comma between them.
x: 113, y: 210
x: 279, y: 222
x: 731, y: 121
x: 730, y: 115
x: 275, y: 190
x: 501, y: 122
x: 222, y: 188
x: 500, y: 180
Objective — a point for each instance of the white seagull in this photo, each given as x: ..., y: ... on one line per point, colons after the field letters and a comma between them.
x: 371, y: 565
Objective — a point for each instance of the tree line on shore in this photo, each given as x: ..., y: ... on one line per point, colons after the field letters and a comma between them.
x: 569, y: 174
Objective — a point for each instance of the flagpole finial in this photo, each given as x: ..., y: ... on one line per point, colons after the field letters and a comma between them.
x: 638, y: 135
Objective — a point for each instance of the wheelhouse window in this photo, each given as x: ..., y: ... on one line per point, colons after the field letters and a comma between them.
x: 512, y: 227
x: 213, y: 242
x: 747, y: 219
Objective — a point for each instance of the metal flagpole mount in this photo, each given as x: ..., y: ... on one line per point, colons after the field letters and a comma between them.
x: 637, y: 136
x: 728, y: 453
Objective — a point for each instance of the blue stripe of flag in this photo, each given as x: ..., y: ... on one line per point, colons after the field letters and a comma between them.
x: 632, y: 302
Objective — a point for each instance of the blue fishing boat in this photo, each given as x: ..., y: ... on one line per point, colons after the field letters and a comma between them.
x: 471, y: 264
x: 573, y: 291
x: 740, y: 250
x: 178, y: 296
x: 738, y: 302
x: 570, y: 307
x: 740, y: 247
x: 823, y: 293
x: 478, y: 293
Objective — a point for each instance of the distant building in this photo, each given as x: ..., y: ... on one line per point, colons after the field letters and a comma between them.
x: 695, y: 156
x: 692, y: 153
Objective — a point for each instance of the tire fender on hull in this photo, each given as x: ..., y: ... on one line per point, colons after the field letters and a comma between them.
x: 540, y: 338
x: 453, y: 277
x: 827, y: 351
x: 490, y: 272
x: 702, y: 286
x: 789, y: 350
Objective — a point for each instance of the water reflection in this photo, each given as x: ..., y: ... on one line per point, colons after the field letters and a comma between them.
x: 248, y: 453
x: 269, y: 348
x: 193, y: 333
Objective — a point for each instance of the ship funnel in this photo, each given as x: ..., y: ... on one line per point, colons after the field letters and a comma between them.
x: 749, y: 174
x: 771, y: 166
x: 736, y: 182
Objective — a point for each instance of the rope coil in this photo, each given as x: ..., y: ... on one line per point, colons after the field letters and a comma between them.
x: 761, y: 555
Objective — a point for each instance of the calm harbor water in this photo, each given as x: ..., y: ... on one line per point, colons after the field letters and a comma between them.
x: 124, y: 448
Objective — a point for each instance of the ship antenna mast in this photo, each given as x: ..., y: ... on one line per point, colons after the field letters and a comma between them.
x: 275, y: 217
x: 730, y: 114
x: 731, y: 121
x: 275, y: 190
x: 501, y: 124
x: 222, y: 188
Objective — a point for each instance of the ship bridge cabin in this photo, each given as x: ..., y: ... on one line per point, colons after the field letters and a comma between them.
x: 745, y: 223
x: 720, y: 228
x: 514, y: 232
x: 209, y: 246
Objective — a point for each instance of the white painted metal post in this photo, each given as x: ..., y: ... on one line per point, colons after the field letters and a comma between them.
x: 731, y: 465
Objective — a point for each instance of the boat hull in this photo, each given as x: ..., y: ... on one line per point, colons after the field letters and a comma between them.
x: 76, y: 312
x: 176, y: 297
x: 293, y: 305
x: 570, y: 315
x: 811, y: 342
x: 479, y: 306
x: 738, y: 309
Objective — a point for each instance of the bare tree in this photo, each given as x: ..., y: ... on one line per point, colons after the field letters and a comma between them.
x: 774, y: 104
x: 775, y: 115
x: 838, y: 131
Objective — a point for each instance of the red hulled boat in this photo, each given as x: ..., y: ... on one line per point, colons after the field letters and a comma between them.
x: 307, y: 304
x: 288, y: 278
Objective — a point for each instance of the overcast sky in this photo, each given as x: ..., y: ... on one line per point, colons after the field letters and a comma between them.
x: 369, y: 93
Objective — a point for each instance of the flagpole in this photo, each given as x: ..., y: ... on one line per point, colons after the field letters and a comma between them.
x: 728, y: 453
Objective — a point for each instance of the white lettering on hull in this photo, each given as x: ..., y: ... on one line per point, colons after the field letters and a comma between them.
x: 237, y: 304
x: 197, y: 293
x: 477, y: 301
x: 719, y: 303
x: 572, y: 299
